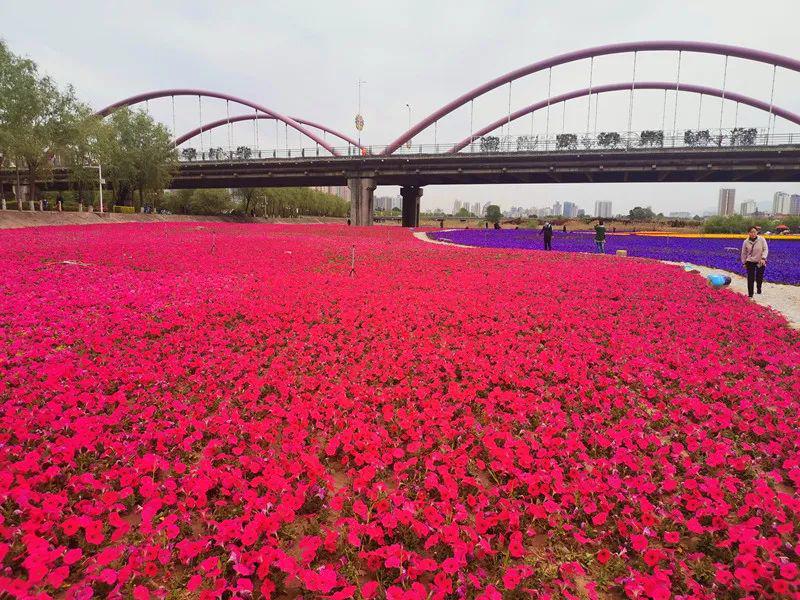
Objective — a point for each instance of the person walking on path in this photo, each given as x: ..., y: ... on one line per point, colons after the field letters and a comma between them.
x: 547, y: 232
x: 59, y: 202
x: 600, y: 237
x: 754, y: 259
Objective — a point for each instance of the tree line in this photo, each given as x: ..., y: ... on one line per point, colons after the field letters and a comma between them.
x: 43, y: 126
x: 258, y: 202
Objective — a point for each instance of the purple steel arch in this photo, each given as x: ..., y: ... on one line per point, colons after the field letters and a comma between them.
x: 700, y: 47
x: 209, y: 94
x: 252, y: 117
x: 617, y: 87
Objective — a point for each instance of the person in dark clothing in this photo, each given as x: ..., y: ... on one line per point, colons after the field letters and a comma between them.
x: 565, y: 229
x: 59, y: 202
x: 497, y: 225
x: 600, y: 237
x: 441, y: 223
x: 348, y: 220
x: 547, y: 232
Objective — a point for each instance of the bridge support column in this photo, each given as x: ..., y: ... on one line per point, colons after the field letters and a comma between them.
x: 411, y: 197
x: 361, y: 199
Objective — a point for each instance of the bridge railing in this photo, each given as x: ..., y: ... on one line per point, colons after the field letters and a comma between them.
x: 564, y: 142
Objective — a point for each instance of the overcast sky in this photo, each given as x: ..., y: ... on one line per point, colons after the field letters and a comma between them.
x: 304, y: 59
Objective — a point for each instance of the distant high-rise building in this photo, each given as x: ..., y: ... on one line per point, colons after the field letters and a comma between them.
x: 456, y: 206
x: 581, y: 213
x: 570, y: 210
x: 557, y: 209
x: 397, y: 202
x: 602, y: 209
x: 484, y: 207
x: 476, y: 208
x: 748, y: 207
x: 781, y: 203
x: 794, y: 204
x: 727, y: 202
x: 342, y: 191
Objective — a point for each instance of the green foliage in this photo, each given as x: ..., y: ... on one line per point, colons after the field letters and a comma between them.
x: 743, y: 136
x: 463, y: 212
x: 290, y: 202
x: 198, y: 202
x: 566, y: 141
x: 493, y: 214
x: 261, y: 202
x: 651, y: 138
x: 641, y: 214
x: 38, y: 122
x: 136, y: 153
x: 697, y: 138
x: 608, y: 139
x: 738, y: 224
x: 490, y: 143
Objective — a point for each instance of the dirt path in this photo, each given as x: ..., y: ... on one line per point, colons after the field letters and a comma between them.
x: 14, y: 219
x: 783, y: 298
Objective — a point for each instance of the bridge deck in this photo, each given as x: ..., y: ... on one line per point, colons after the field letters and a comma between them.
x: 769, y: 163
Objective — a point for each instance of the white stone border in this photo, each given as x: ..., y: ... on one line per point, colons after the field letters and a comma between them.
x: 782, y: 298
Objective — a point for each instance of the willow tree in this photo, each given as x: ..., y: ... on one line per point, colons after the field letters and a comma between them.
x: 137, y: 154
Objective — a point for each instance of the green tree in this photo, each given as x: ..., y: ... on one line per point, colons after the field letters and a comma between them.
x: 641, y: 214
x: 37, y: 121
x: 137, y: 154
x: 198, y: 202
x: 493, y: 214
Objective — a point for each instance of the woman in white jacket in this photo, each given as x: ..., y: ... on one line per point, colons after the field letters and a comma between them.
x: 754, y: 259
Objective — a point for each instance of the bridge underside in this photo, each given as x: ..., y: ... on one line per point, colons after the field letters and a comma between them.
x: 729, y: 165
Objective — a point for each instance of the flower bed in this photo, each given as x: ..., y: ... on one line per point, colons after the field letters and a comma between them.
x: 784, y: 255
x: 221, y: 409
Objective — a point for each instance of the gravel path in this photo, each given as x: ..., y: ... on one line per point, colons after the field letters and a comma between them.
x: 783, y: 298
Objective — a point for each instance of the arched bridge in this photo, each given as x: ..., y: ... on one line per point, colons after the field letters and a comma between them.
x: 720, y: 146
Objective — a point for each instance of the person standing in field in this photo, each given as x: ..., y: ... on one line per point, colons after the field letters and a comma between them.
x: 754, y: 259
x: 600, y: 237
x: 547, y: 232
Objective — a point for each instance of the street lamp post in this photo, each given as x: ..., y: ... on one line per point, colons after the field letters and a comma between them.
x: 359, y: 117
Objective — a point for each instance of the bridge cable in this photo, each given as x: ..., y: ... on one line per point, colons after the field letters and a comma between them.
x: 699, y: 110
x: 255, y: 133
x: 596, y: 110
x: 277, y: 137
x: 174, y: 132
x: 435, y: 136
x: 677, y: 89
x: 722, y: 102
x: 471, y: 130
x: 200, y: 105
x: 736, y: 116
x: 630, y: 104
x: 508, y: 123
x: 664, y: 113
x: 228, y: 110
x: 771, y: 97
x: 547, y: 127
x: 589, y: 104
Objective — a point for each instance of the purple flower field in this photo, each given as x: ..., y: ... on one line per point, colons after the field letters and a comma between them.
x: 783, y: 265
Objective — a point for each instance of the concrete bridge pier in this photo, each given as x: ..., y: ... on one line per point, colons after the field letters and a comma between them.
x: 361, y: 199
x: 411, y: 198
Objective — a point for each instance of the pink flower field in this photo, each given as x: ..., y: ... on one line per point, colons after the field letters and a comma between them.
x: 223, y: 411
